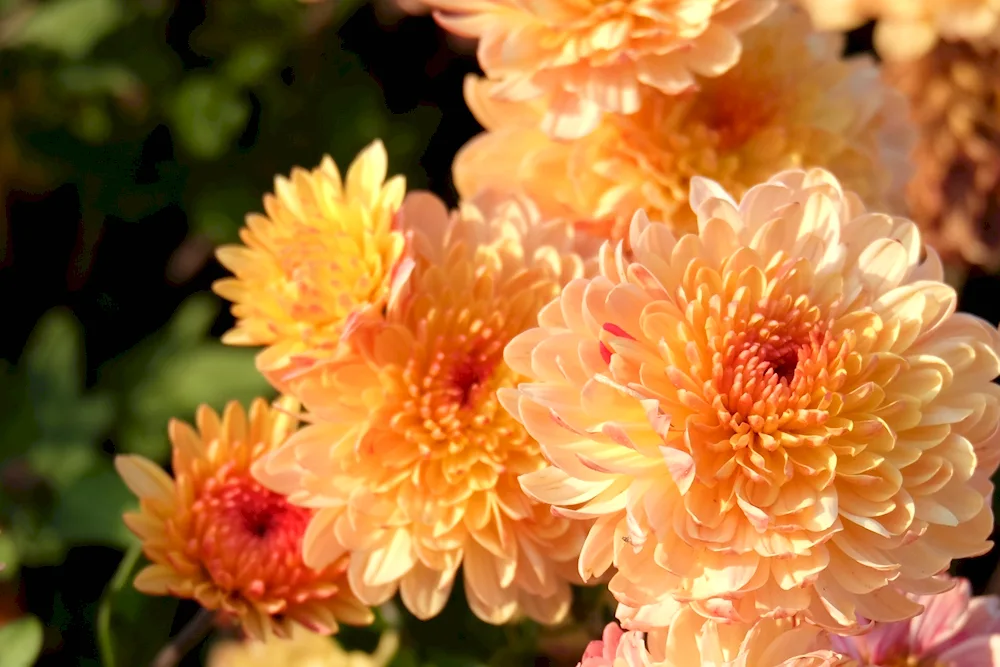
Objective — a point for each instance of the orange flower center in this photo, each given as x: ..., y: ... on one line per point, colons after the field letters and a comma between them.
x: 467, y: 378
x: 249, y: 538
x: 737, y: 115
x: 457, y: 381
x: 443, y: 418
x: 765, y: 368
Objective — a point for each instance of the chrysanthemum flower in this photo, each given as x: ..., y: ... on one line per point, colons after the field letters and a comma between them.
x: 955, y: 193
x: 587, y: 58
x: 791, y: 102
x: 301, y: 649
x: 217, y: 536
x: 325, y: 250
x: 909, y: 28
x: 692, y: 640
x: 954, y: 630
x: 411, y: 461
x: 780, y: 413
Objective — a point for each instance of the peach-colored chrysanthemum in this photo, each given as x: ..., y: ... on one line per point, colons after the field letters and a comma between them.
x: 780, y: 413
x: 791, y: 102
x: 954, y: 630
x: 325, y: 250
x: 215, y: 535
x: 411, y: 461
x: 908, y: 29
x: 301, y: 649
x: 694, y: 641
x: 585, y: 57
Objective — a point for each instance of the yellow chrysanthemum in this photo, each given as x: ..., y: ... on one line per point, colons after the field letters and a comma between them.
x: 301, y: 649
x: 792, y: 101
x: 217, y: 536
x: 411, y: 461
x: 586, y: 58
x: 780, y: 413
x: 908, y: 29
x: 325, y: 251
x: 692, y: 640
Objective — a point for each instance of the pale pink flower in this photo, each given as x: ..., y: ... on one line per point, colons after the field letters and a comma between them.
x: 954, y: 630
x: 691, y: 640
x: 601, y: 652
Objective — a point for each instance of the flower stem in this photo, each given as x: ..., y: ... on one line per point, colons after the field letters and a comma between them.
x: 189, y: 636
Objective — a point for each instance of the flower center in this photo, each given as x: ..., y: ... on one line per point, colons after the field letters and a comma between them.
x: 247, y: 535
x: 467, y: 378
x: 766, y: 367
x: 456, y: 381
x: 737, y: 114
x: 443, y: 419
x: 263, y: 512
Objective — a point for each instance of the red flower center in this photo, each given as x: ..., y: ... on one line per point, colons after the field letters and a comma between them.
x: 249, y: 538
x: 264, y: 514
x: 467, y: 379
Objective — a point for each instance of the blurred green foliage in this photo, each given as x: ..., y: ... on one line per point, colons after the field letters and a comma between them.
x: 21, y: 642
x: 86, y: 82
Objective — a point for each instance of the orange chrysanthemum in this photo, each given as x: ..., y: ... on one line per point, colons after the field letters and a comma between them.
x: 411, y: 461
x: 217, y: 536
x: 780, y: 413
x: 587, y: 58
x: 694, y: 641
x: 326, y: 250
x: 908, y: 29
x: 792, y: 101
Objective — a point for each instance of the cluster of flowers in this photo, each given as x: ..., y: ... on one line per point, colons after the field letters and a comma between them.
x: 666, y: 343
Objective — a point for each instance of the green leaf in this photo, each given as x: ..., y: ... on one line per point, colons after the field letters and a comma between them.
x: 62, y: 463
x: 21, y: 642
x: 131, y: 627
x: 17, y: 424
x: 212, y: 373
x: 61, y: 446
x: 90, y: 511
x: 8, y: 557
x: 207, y: 114
x: 53, y: 356
x: 250, y: 63
x: 93, y: 80
x: 70, y: 28
x: 92, y: 124
x: 37, y: 543
x: 171, y: 373
x: 192, y: 318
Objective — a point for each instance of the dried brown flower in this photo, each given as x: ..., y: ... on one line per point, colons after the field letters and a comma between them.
x: 954, y: 94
